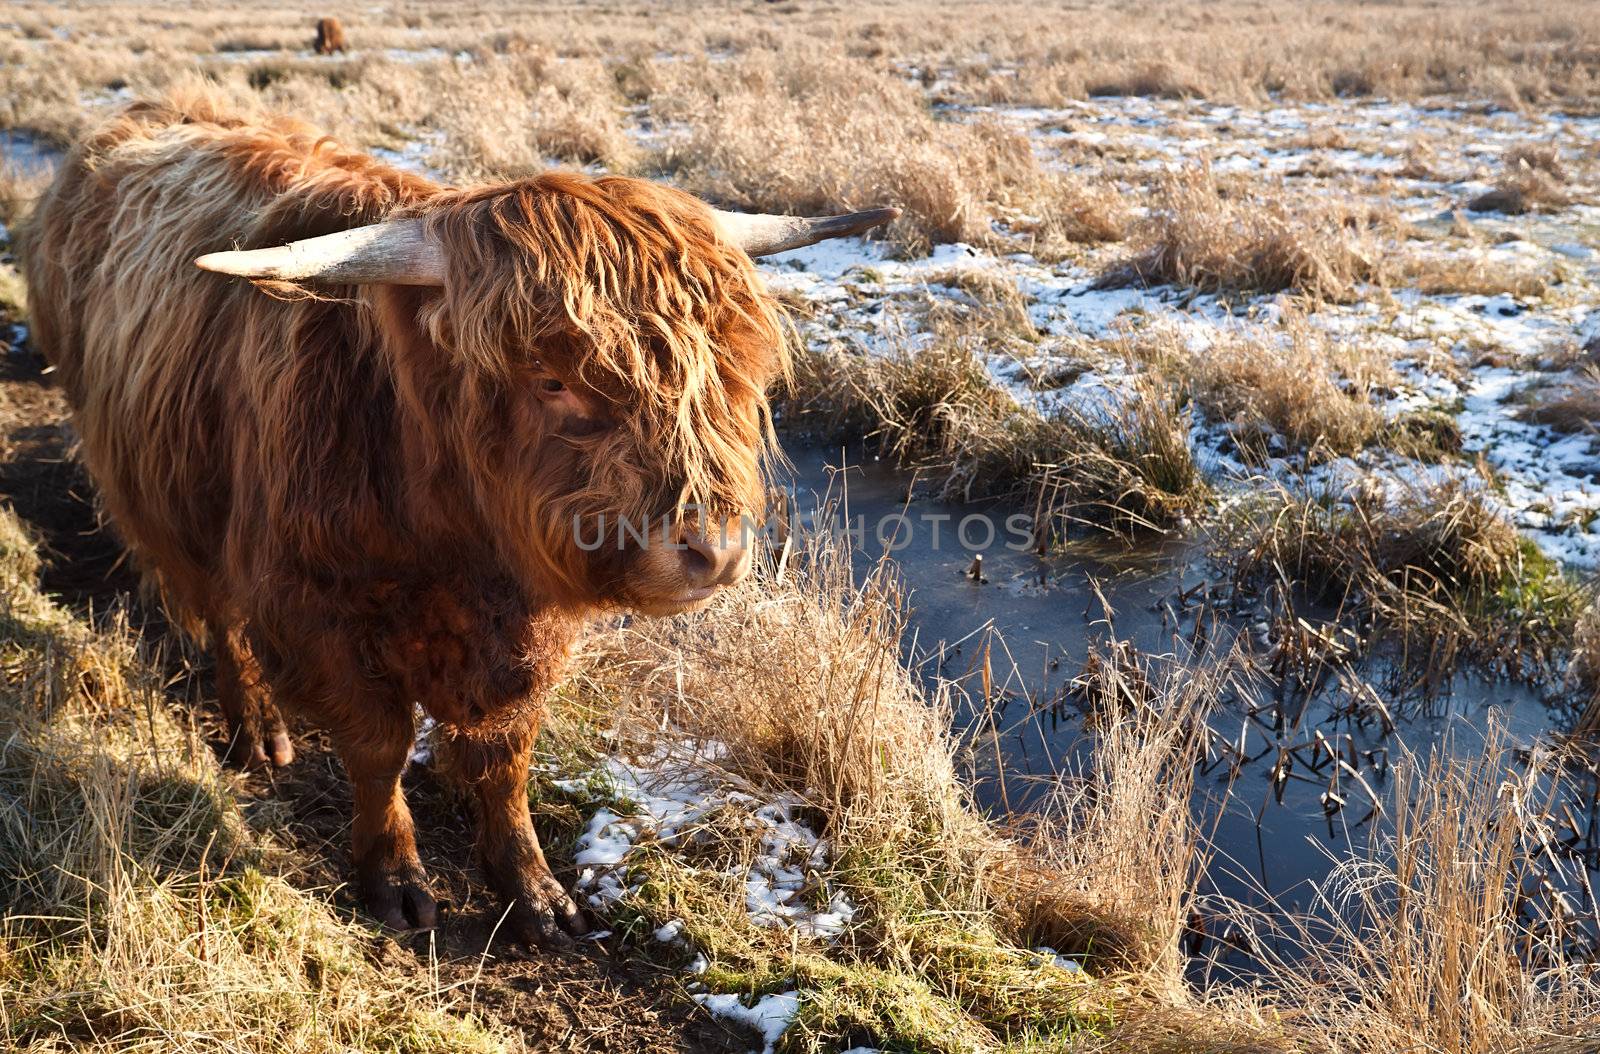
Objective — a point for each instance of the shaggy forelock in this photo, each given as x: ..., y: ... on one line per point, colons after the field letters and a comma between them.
x: 621, y: 285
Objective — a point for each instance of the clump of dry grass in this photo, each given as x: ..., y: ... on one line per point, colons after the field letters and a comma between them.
x: 1059, y: 212
x: 1531, y: 182
x: 1121, y: 463
x: 1569, y: 406
x: 1469, y: 271
x: 137, y: 910
x: 1542, y: 156
x: 814, y: 133
x: 1228, y: 239
x: 1151, y: 78
x: 569, y: 111
x: 1120, y: 839
x: 1438, y: 567
x: 1299, y: 385
x: 501, y: 116
x: 1447, y: 933
x: 1420, y: 161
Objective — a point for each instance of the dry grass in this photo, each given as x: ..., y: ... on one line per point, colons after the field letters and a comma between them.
x: 1511, y: 51
x: 570, y: 112
x: 1583, y: 673
x: 1469, y: 271
x: 1294, y: 389
x: 948, y: 903
x: 1569, y: 406
x: 811, y: 132
x: 1439, y: 568
x: 18, y: 191
x: 823, y: 109
x: 1121, y: 463
x: 1120, y: 840
x: 1447, y: 934
x: 1223, y: 238
x: 137, y: 909
x: 1531, y: 182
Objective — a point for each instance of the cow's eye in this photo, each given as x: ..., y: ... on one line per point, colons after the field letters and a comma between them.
x: 551, y: 386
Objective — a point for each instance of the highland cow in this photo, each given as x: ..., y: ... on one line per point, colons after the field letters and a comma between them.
x: 365, y: 465
x: 330, y: 37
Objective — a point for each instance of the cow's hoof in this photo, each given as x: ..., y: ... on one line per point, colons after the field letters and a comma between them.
x: 280, y: 749
x: 546, y: 916
x: 249, y: 751
x: 401, y: 899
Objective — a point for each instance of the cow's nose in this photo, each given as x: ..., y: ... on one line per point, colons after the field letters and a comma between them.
x: 718, y: 557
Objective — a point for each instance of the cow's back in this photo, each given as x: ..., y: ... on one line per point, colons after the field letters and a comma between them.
x: 180, y: 379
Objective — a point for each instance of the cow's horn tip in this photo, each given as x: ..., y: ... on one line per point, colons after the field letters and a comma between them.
x: 221, y: 263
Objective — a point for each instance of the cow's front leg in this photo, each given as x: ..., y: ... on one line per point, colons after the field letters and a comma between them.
x: 375, y: 746
x: 539, y: 910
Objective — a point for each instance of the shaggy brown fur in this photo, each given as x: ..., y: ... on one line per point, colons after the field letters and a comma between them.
x: 330, y: 37
x: 376, y: 497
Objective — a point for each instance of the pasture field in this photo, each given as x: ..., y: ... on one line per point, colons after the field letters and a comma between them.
x: 1280, y: 324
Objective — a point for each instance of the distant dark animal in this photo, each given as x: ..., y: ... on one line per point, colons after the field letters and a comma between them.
x: 330, y: 37
x: 376, y: 480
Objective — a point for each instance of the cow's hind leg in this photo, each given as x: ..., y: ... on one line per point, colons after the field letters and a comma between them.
x: 375, y: 740
x: 257, y: 735
x: 540, y: 912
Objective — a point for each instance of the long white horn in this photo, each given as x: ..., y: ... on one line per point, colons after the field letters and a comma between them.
x: 398, y: 252
x: 760, y: 235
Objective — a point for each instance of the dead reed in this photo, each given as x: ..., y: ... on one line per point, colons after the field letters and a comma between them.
x: 1437, y: 567
x: 1231, y: 239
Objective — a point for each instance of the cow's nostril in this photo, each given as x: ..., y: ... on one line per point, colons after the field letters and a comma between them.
x: 708, y: 563
x: 698, y: 562
x: 701, y: 559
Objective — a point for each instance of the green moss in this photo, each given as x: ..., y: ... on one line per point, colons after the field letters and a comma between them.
x: 911, y: 974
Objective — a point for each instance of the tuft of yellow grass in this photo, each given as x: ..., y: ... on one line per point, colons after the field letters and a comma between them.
x: 1569, y: 406
x: 1119, y: 838
x: 509, y: 116
x: 1295, y: 382
x: 1533, y: 181
x: 1247, y: 239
